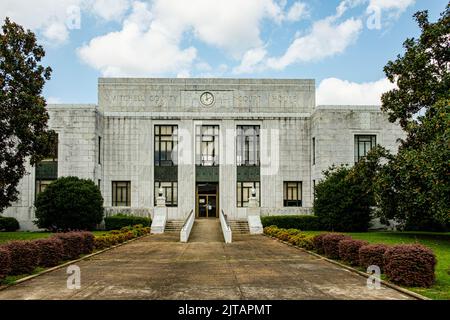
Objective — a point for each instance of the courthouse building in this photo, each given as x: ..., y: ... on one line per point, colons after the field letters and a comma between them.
x: 207, y: 143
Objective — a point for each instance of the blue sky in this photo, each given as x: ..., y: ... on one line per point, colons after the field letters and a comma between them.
x: 343, y: 44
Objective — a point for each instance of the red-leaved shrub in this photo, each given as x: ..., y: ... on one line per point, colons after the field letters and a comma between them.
x: 73, y: 243
x: 410, y: 265
x: 88, y: 242
x: 372, y: 255
x: 331, y: 244
x: 349, y: 250
x: 318, y: 242
x: 5, y: 262
x: 50, y: 251
x: 24, y: 256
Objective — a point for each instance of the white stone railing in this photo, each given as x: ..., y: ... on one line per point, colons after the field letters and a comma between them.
x: 187, y: 227
x: 226, y: 229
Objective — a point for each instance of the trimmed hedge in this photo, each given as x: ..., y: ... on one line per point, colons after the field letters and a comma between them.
x: 118, y: 236
x: 300, y: 222
x: 5, y: 262
x: 349, y: 250
x: 88, y: 242
x: 9, y: 224
x: 318, y: 243
x: 24, y: 256
x: 73, y: 244
x: 50, y: 251
x: 331, y: 244
x: 119, y: 221
x: 410, y: 265
x: 372, y: 255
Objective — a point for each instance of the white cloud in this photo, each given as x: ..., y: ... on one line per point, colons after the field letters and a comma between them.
x: 110, y: 9
x: 251, y: 61
x: 298, y: 11
x: 337, y: 91
x: 397, y: 5
x: 232, y: 25
x: 53, y: 19
x: 141, y: 48
x: 327, y: 38
x: 46, y: 16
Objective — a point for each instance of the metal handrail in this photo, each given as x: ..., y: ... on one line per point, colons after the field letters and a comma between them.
x: 187, y: 218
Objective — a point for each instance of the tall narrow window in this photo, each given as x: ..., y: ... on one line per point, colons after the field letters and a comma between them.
x: 247, y: 146
x: 99, y: 150
x: 363, y: 144
x: 121, y: 193
x: 292, y: 193
x: 207, y: 145
x: 166, y: 138
x: 170, y: 191
x: 244, y: 192
x: 46, y: 171
x: 313, y: 151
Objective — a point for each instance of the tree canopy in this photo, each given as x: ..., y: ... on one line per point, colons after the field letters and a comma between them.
x: 23, y: 117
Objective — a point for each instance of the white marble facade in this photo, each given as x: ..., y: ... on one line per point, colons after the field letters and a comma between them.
x: 128, y: 110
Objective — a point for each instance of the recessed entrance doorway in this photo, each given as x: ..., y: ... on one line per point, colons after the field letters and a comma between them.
x: 207, y: 202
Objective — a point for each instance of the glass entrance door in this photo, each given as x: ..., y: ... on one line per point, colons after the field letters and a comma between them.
x: 207, y: 200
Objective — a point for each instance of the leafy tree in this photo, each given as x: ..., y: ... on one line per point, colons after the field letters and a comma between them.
x: 422, y: 73
x: 23, y: 118
x: 414, y: 187
x: 340, y: 204
x: 69, y: 203
x: 345, y: 200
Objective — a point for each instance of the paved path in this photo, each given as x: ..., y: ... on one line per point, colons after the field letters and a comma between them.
x: 206, y: 230
x: 159, y: 267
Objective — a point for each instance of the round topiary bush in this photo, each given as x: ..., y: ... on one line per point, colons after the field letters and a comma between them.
x: 349, y: 250
x: 5, y: 262
x: 410, y: 265
x: 372, y: 255
x: 69, y: 203
x: 9, y: 224
x: 331, y: 244
x: 24, y: 256
x: 50, y: 251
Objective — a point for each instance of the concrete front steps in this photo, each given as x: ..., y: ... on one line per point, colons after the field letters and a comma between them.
x: 239, y: 227
x: 174, y: 226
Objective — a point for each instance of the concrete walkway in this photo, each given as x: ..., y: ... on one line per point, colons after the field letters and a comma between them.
x: 206, y: 230
x: 159, y: 267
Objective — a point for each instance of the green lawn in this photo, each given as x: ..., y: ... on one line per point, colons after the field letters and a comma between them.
x: 23, y: 235
x: 438, y: 242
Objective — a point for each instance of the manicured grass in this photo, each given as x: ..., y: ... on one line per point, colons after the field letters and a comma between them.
x: 24, y: 235
x: 438, y: 242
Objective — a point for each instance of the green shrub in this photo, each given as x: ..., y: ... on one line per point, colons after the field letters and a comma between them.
x: 306, y: 242
x: 69, y: 203
x: 8, y: 224
x: 119, y: 221
x: 300, y: 222
x: 341, y: 204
